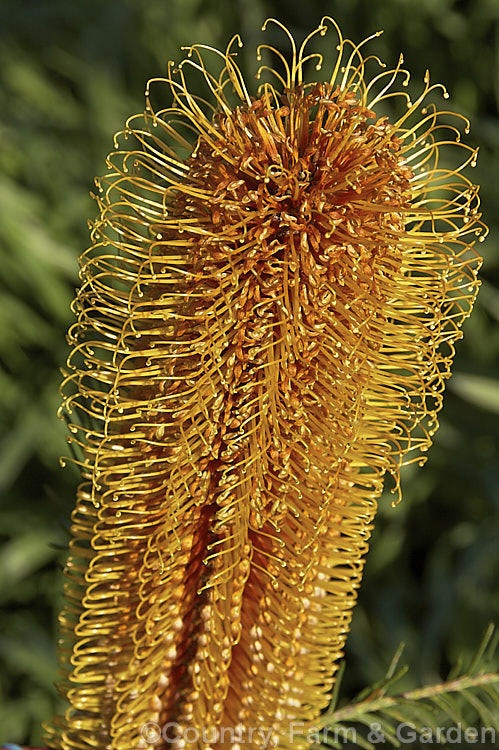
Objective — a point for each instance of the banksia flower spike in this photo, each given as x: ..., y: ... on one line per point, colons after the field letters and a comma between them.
x: 266, y: 320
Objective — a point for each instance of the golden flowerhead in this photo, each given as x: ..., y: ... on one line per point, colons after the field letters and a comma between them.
x: 265, y: 323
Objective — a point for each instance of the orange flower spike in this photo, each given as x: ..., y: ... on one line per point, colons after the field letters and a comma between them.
x: 266, y: 320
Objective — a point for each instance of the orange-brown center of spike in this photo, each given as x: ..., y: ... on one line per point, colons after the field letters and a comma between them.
x: 281, y: 208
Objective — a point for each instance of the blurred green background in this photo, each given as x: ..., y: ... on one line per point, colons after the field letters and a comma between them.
x: 70, y: 74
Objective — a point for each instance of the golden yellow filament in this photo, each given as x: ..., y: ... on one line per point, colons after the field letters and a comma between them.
x: 265, y: 324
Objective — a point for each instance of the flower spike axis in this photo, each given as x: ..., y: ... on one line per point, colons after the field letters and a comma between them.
x: 265, y: 323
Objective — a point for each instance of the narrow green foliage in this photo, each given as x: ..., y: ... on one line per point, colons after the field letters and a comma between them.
x: 468, y: 698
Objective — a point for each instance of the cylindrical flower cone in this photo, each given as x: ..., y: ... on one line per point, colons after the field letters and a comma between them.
x: 265, y: 324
